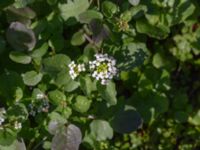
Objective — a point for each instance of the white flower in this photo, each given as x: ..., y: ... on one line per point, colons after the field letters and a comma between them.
x: 103, y: 68
x: 75, y: 69
x: 17, y: 125
x: 1, y: 120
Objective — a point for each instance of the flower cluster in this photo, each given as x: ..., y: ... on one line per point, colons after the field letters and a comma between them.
x: 103, y: 68
x: 75, y: 69
x: 17, y: 125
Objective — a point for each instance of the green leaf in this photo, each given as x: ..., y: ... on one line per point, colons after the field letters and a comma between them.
x: 78, y: 38
x: 22, y: 3
x: 40, y: 51
x: 36, y: 92
x: 138, y: 11
x: 10, y: 82
x: 20, y: 37
x: 195, y: 120
x: 134, y: 2
x: 17, y: 111
x: 158, y: 32
x: 158, y: 60
x: 20, y: 57
x: 16, y: 145
x: 109, y: 8
x: 150, y: 104
x: 131, y: 55
x: 56, y: 97
x: 71, y: 86
x: 69, y: 138
x: 54, y: 116
x: 126, y: 120
x: 86, y: 85
x: 7, y: 137
x: 32, y: 78
x: 22, y: 15
x: 90, y: 51
x: 89, y: 15
x: 56, y: 122
x: 56, y: 42
x: 62, y: 78
x: 101, y: 130
x: 56, y: 63
x: 73, y: 8
x: 108, y: 93
x: 18, y: 94
x: 82, y: 104
x: 183, y: 10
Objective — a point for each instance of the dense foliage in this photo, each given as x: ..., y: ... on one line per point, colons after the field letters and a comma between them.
x: 100, y: 74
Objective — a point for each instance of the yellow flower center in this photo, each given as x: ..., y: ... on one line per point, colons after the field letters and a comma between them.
x: 102, y: 68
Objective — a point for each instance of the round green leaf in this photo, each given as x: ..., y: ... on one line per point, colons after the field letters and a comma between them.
x: 101, y: 130
x: 20, y: 57
x: 32, y: 78
x: 56, y: 97
x: 82, y: 104
x: 56, y: 63
x: 78, y: 38
x: 7, y: 137
x: 89, y: 15
x: 109, y: 8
